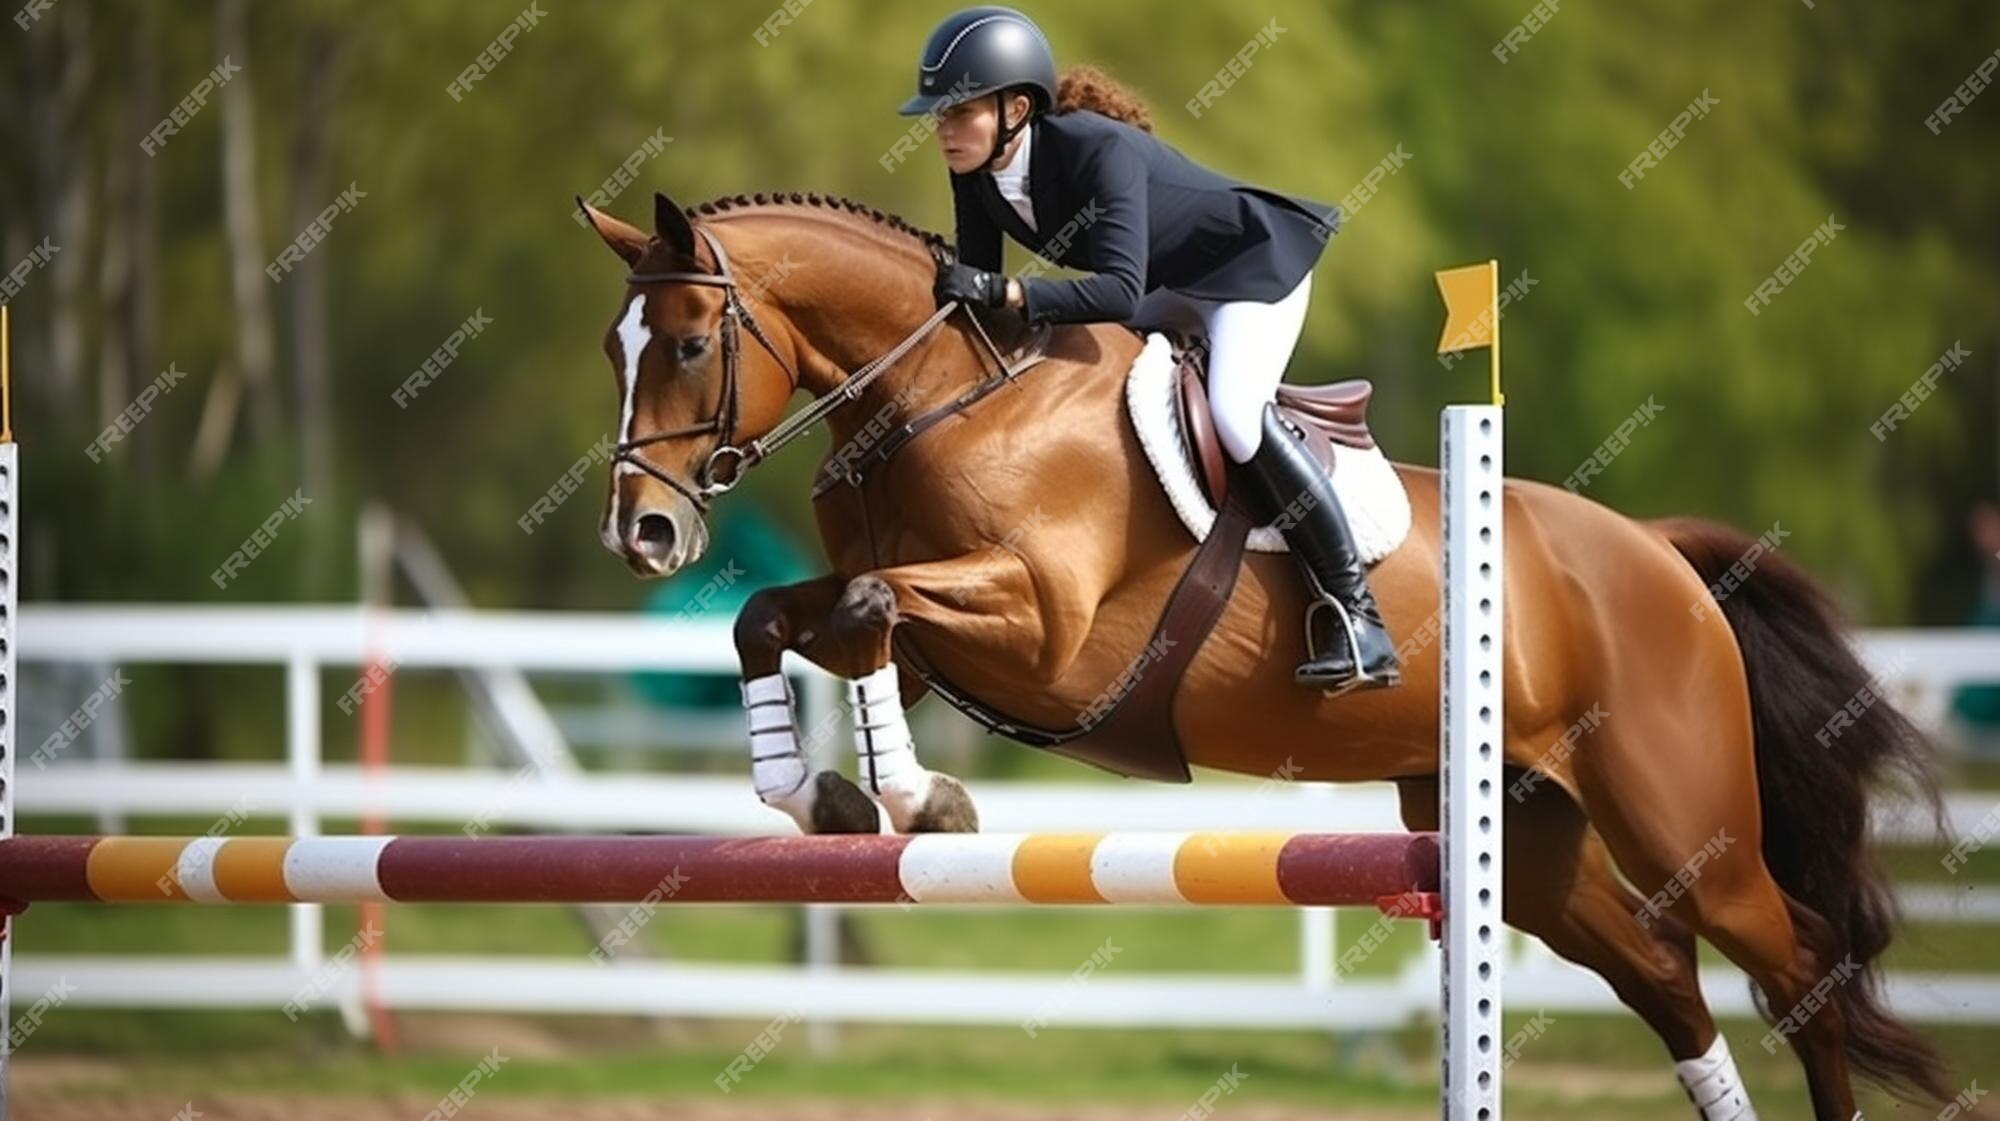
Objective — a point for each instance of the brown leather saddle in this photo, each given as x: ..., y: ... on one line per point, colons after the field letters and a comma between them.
x: 1323, y: 415
x: 1132, y: 733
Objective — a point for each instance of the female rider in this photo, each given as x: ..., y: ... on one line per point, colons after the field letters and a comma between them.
x: 1076, y: 175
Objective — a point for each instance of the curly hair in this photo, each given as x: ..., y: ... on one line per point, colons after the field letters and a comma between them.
x: 1087, y: 87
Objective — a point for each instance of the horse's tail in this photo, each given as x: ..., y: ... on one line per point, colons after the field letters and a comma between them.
x: 1814, y: 778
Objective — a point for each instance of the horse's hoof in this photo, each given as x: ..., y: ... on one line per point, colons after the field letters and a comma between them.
x: 839, y: 806
x: 949, y: 809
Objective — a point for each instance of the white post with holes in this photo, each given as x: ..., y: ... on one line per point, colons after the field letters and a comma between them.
x: 1471, y: 725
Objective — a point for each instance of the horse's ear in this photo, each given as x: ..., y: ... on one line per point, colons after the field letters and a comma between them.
x: 671, y: 223
x: 629, y: 242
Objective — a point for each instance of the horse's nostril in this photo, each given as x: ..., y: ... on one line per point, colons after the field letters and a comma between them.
x: 653, y: 532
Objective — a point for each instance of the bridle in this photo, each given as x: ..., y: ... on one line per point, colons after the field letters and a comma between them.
x: 710, y: 481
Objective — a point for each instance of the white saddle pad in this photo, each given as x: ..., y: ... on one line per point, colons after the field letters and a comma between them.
x: 1371, y: 493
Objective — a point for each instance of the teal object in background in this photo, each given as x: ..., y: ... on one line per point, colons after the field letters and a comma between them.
x: 747, y: 551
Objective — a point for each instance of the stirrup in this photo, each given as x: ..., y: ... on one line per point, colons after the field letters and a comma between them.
x: 1318, y: 599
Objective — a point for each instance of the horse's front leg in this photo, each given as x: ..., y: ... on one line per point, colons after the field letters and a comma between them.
x: 795, y: 617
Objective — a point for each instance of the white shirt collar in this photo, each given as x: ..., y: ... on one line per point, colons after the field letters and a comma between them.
x: 1012, y: 180
x: 1013, y: 177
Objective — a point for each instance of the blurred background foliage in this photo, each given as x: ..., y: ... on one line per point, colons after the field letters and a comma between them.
x: 1638, y: 292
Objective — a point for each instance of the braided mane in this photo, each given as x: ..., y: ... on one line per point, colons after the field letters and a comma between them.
x: 728, y: 203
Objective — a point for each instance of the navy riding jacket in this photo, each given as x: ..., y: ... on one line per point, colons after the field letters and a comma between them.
x: 1116, y: 202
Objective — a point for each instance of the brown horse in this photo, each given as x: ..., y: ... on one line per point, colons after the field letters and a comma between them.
x: 1705, y: 776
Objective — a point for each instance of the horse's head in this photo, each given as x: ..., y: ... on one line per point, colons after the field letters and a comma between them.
x: 689, y: 392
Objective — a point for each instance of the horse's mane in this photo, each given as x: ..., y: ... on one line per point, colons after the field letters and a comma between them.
x: 727, y: 203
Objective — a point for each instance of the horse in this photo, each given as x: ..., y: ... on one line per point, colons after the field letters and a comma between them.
x: 1706, y: 746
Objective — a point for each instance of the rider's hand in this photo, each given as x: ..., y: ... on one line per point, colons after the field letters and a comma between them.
x: 970, y: 285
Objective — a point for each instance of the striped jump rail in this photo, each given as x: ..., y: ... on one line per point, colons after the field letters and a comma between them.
x: 1396, y: 871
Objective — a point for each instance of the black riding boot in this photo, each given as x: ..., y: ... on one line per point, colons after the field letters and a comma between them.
x: 1294, y: 488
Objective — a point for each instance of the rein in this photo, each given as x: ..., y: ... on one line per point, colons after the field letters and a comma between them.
x: 710, y: 482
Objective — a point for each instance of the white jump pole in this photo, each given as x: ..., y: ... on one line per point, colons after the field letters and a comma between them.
x: 10, y: 595
x: 1470, y: 725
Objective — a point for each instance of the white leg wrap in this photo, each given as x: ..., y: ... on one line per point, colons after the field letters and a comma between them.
x: 778, y: 769
x: 886, y: 754
x: 1712, y: 1083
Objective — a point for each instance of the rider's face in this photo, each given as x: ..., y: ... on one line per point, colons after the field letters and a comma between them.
x: 965, y: 131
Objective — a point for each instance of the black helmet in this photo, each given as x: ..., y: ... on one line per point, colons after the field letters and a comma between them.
x: 980, y: 51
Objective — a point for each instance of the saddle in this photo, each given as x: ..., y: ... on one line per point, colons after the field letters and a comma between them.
x: 1132, y: 733
x: 1322, y: 415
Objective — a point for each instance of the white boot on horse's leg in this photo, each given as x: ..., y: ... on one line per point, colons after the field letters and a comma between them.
x: 917, y: 800
x: 1712, y: 1083
x: 820, y: 803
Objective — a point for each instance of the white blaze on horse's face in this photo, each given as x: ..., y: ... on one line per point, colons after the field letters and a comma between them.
x: 654, y: 530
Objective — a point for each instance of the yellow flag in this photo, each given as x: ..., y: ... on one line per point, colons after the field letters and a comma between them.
x: 1469, y: 314
x: 1472, y: 312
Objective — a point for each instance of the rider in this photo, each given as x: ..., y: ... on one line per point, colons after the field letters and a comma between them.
x: 1076, y: 175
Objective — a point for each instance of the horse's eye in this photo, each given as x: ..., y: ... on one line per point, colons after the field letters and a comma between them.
x: 693, y: 347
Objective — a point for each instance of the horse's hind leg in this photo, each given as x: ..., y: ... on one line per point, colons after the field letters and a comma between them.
x: 1687, y: 828
x: 1561, y: 887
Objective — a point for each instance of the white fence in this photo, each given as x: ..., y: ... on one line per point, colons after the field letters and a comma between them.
x: 304, y: 789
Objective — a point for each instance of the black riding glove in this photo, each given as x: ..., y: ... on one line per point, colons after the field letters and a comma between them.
x: 970, y: 285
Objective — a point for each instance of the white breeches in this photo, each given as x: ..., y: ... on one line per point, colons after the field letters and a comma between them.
x: 1249, y: 346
